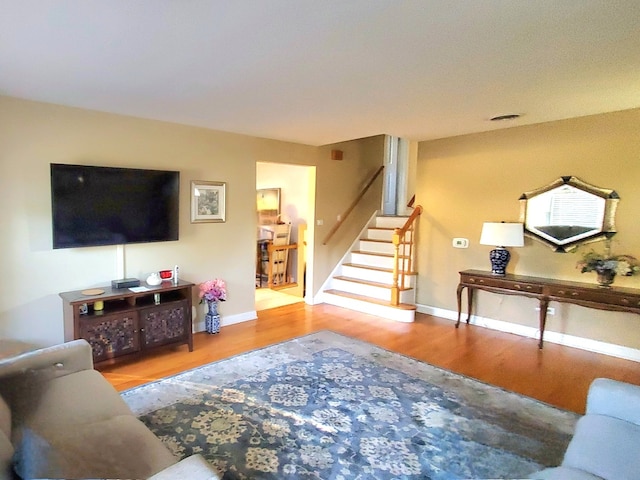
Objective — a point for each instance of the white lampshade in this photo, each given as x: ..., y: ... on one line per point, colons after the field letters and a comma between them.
x: 501, y: 234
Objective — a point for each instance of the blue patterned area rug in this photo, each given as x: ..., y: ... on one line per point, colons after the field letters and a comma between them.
x: 326, y: 406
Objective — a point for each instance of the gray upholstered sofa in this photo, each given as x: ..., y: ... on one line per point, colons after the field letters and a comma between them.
x: 606, y: 442
x: 60, y: 418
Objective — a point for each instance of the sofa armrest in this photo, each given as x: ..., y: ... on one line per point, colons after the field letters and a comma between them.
x: 56, y: 361
x: 614, y: 399
x: 194, y: 467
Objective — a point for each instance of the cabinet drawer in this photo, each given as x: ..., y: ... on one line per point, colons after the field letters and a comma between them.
x: 503, y: 283
x: 628, y: 301
x: 590, y: 295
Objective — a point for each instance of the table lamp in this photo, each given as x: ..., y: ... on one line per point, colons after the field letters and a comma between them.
x: 501, y: 235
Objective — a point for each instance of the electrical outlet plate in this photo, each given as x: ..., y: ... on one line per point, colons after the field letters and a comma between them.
x: 460, y: 243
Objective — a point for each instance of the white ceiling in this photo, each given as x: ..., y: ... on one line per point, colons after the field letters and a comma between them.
x: 323, y: 71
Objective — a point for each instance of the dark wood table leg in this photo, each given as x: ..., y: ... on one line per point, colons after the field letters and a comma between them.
x: 469, y: 303
x: 544, y: 303
x: 459, y: 296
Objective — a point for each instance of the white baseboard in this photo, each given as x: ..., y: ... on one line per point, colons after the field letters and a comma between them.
x: 227, y: 320
x: 587, y: 344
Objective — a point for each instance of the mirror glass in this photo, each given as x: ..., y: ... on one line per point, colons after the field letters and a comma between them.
x: 568, y: 212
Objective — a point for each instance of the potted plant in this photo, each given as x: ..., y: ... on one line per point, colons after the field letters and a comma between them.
x: 212, y: 292
x: 607, y: 265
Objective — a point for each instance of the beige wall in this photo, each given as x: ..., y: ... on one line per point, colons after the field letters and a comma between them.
x: 33, y: 134
x: 467, y: 180
x: 360, y: 161
x: 461, y: 182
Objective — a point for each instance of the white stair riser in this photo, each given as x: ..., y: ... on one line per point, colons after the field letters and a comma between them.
x: 390, y: 222
x: 361, y: 289
x: 376, y: 261
x: 376, y: 247
x: 377, y: 234
x: 376, y: 250
x: 374, y: 275
x: 381, y: 293
x: 395, y: 314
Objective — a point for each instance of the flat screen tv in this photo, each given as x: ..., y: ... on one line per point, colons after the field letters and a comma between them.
x: 94, y: 206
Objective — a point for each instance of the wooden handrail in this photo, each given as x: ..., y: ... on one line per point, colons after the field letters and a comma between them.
x: 416, y: 212
x: 399, y: 238
x: 344, y: 216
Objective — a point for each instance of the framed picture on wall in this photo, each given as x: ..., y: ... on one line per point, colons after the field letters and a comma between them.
x: 268, y: 205
x: 208, y: 202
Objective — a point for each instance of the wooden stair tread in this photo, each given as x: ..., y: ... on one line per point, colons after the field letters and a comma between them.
x: 377, y: 269
x: 367, y: 282
x: 377, y: 301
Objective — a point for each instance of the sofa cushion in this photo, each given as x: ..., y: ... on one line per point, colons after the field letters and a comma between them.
x: 49, y: 362
x: 120, y: 447
x: 6, y: 457
x: 606, y: 447
x: 194, y: 467
x: 563, y: 473
x: 5, y: 418
x: 614, y: 399
x: 6, y: 448
x: 78, y: 398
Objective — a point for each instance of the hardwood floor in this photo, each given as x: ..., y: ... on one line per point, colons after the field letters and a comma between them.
x: 556, y: 375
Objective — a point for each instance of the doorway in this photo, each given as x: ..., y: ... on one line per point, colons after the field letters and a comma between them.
x: 296, y: 186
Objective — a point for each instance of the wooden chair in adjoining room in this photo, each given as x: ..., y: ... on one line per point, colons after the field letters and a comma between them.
x: 279, y: 258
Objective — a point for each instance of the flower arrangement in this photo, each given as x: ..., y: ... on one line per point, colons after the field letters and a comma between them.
x: 625, y: 265
x: 213, y: 291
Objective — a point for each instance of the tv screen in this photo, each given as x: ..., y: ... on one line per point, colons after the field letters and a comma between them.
x: 94, y: 206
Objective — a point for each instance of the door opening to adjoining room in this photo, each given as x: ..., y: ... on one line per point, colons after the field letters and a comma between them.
x: 285, y: 209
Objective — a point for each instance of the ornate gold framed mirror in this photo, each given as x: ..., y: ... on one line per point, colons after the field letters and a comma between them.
x: 568, y: 212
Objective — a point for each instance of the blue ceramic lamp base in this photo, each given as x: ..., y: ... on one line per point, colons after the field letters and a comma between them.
x: 499, y: 260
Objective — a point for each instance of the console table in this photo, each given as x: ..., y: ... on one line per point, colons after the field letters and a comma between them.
x: 130, y: 324
x: 547, y: 290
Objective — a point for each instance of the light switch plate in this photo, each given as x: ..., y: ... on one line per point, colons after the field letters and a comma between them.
x: 461, y: 243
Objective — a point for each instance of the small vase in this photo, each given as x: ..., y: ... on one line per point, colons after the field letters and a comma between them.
x: 212, y: 318
x: 606, y: 277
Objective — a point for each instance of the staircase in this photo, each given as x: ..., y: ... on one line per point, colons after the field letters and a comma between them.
x: 364, y: 280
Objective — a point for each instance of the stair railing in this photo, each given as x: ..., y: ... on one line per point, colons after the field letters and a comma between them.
x: 403, y: 238
x: 346, y: 213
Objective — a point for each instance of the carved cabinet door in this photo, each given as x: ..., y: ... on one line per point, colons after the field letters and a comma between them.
x: 111, y: 335
x: 164, y: 323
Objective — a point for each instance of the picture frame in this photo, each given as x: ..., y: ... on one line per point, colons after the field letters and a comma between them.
x: 268, y: 205
x: 208, y: 201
